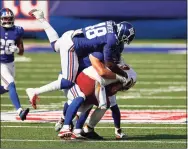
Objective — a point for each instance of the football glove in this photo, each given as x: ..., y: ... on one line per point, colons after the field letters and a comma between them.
x: 121, y: 79
x: 37, y: 14
x: 14, y: 49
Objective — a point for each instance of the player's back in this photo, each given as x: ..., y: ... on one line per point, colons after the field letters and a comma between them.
x: 93, y: 38
x: 8, y: 37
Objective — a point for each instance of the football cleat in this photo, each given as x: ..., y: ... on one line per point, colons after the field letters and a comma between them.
x: 65, y: 134
x: 91, y: 134
x: 23, y: 114
x: 119, y: 134
x: 59, y: 125
x: 37, y: 14
x: 33, y: 97
x: 77, y: 136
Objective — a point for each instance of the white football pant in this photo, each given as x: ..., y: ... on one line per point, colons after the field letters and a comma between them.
x: 7, y: 74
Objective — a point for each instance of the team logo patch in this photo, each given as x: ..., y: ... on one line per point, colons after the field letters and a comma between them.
x: 127, y: 116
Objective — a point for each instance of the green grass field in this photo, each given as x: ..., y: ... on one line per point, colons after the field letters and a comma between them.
x: 161, y: 85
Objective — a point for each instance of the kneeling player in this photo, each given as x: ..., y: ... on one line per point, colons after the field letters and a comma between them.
x: 87, y: 81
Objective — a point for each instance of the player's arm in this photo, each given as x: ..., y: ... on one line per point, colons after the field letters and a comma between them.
x: 20, y: 46
x: 113, y: 67
x: 109, y: 55
x: 101, y: 69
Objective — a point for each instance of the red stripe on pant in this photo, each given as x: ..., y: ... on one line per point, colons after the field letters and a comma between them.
x: 6, y: 82
x: 70, y: 64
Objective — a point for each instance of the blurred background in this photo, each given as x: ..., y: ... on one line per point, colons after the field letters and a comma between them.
x: 157, y: 55
x: 153, y: 19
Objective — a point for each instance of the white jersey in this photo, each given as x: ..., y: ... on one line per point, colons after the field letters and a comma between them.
x: 92, y: 73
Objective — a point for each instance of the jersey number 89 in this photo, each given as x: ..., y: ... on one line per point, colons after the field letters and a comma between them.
x: 96, y: 30
x: 4, y: 46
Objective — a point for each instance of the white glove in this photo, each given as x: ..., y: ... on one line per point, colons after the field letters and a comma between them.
x: 37, y: 14
x: 14, y: 49
x: 121, y: 79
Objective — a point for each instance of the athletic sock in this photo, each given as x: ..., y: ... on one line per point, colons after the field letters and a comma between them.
x: 50, y: 32
x: 14, y: 96
x: 116, y: 115
x: 72, y: 109
x: 65, y: 107
x: 55, y: 85
x: 80, y: 122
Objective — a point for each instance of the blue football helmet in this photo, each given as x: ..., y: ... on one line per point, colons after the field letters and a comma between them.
x: 7, y: 18
x: 126, y: 32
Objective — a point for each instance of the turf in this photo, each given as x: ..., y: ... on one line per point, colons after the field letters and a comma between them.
x: 161, y: 85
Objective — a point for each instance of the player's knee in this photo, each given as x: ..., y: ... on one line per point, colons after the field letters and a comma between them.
x: 66, y: 84
x: 11, y: 86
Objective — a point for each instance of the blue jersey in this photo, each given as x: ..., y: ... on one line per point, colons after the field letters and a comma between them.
x: 85, y: 61
x: 101, y: 37
x: 9, y: 36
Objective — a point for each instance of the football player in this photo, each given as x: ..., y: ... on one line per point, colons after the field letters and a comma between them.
x: 11, y: 42
x: 87, y: 81
x: 76, y: 44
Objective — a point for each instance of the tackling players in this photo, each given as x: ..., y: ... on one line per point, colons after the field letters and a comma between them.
x: 77, y: 44
x: 88, y: 81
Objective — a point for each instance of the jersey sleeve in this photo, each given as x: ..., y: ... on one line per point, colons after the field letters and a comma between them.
x: 110, y: 47
x: 20, y: 31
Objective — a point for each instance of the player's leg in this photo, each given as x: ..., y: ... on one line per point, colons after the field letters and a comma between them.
x: 87, y: 85
x: 80, y: 121
x: 7, y: 79
x: 69, y: 66
x: 60, y: 122
x: 116, y: 114
x: 50, y: 32
x: 72, y: 109
x: 2, y: 89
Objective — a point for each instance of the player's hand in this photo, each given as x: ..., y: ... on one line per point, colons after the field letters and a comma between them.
x: 37, y: 14
x: 121, y: 79
x: 14, y: 49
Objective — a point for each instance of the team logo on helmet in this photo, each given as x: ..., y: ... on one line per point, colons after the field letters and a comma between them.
x: 126, y: 32
x: 7, y: 18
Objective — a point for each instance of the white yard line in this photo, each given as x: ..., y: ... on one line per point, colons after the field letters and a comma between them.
x: 151, y: 65
x: 56, y: 70
x: 139, y: 82
x: 117, y: 97
x: 168, y: 89
x: 142, y: 127
x: 103, y: 141
x: 120, y: 105
x: 147, y: 61
x: 111, y: 121
x: 158, y: 45
x: 160, y: 76
x: 152, y: 106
